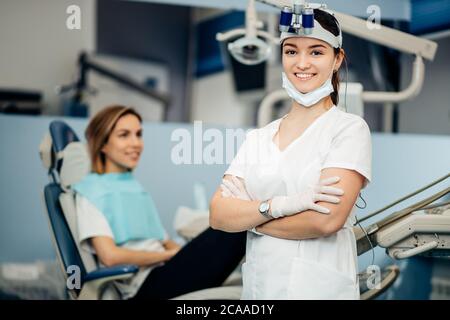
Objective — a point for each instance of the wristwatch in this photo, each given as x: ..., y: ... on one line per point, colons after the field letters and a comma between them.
x: 264, y: 208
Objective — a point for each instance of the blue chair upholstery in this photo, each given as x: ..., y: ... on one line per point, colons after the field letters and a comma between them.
x: 67, y: 248
x: 61, y: 135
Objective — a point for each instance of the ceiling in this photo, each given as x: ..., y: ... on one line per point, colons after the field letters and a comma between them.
x: 423, y: 16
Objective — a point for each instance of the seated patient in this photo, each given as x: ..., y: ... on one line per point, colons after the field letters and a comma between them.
x: 119, y: 223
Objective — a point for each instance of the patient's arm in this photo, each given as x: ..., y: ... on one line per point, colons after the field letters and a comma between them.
x: 311, y: 224
x: 111, y: 255
x: 170, y: 244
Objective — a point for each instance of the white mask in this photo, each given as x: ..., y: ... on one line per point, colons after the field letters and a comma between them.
x: 310, y: 98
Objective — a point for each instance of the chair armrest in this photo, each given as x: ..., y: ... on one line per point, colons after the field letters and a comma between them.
x: 125, y: 270
x: 217, y: 293
x: 94, y: 281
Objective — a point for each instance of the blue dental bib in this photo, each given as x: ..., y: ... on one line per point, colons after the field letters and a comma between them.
x: 130, y: 210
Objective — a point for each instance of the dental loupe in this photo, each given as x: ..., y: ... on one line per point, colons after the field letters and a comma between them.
x: 299, y: 18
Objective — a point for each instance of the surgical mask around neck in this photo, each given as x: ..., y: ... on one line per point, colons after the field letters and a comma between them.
x: 310, y: 98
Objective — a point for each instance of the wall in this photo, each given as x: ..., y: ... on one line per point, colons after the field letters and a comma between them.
x: 38, y: 52
x: 215, y: 101
x: 153, y: 32
x: 429, y: 112
x: 111, y: 92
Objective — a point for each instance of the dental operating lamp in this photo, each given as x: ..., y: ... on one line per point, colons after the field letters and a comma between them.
x: 249, y: 49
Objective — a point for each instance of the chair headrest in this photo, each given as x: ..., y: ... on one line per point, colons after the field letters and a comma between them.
x: 54, y: 142
x: 45, y: 151
x: 61, y: 150
x: 75, y: 164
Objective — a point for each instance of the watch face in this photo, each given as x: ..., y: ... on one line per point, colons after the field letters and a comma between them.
x: 264, y: 207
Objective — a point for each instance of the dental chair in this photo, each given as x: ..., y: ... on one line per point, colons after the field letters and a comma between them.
x: 67, y: 162
x: 64, y: 156
x: 420, y: 229
x: 416, y: 230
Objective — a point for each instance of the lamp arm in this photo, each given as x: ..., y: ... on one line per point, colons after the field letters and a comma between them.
x: 383, y: 35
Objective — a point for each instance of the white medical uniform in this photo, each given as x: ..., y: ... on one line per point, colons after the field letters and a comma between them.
x: 321, y: 268
x: 92, y: 223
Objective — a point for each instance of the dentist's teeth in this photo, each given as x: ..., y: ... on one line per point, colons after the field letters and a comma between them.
x: 304, y: 76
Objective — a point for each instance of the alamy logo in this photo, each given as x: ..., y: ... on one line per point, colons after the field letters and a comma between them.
x: 210, y: 146
x: 374, y: 19
x: 374, y: 280
x: 74, y: 280
x: 73, y: 21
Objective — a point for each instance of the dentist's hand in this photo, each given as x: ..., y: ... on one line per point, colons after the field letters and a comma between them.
x: 234, y: 189
x: 288, y: 205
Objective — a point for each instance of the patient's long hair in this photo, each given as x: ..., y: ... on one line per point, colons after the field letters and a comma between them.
x: 99, y: 129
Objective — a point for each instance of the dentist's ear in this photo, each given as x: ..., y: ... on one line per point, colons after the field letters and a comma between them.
x: 339, y: 59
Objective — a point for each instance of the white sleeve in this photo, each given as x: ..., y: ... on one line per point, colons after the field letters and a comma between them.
x: 91, y: 223
x: 241, y: 160
x: 166, y: 235
x: 352, y: 149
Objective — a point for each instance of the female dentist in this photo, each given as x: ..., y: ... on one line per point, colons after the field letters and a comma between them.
x: 293, y: 184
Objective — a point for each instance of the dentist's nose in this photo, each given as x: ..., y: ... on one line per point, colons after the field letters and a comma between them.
x: 302, y: 62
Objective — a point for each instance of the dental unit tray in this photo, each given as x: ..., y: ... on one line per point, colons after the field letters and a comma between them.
x: 415, y: 230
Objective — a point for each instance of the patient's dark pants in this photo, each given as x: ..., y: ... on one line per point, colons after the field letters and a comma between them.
x: 204, y: 262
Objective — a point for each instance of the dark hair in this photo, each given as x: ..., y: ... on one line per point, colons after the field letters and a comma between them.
x: 329, y: 23
x: 99, y: 130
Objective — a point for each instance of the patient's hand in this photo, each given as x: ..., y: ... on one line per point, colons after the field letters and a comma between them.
x: 170, y: 244
x: 171, y: 252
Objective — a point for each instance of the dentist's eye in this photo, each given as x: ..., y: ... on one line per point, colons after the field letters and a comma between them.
x: 290, y: 52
